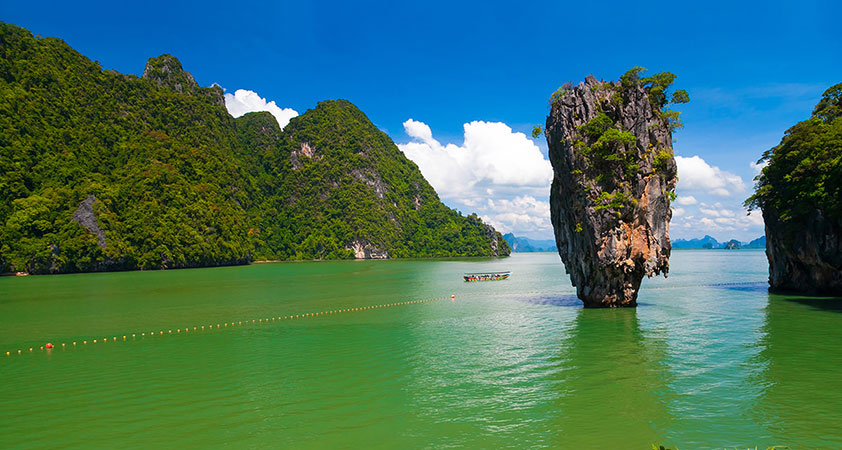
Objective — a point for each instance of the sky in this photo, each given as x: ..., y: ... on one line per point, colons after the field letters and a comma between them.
x: 459, y: 85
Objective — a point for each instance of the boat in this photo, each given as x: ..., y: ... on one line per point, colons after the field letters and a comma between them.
x: 486, y: 276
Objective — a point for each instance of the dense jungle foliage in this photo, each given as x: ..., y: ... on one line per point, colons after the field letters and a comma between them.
x: 804, y: 171
x: 180, y: 183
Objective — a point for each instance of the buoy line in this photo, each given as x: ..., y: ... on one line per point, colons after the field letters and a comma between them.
x: 199, y: 328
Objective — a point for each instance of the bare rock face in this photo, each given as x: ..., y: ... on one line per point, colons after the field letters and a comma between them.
x: 366, y: 250
x: 610, y: 146
x: 85, y: 216
x: 808, y: 262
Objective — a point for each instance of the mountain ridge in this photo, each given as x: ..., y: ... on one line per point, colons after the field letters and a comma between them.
x: 709, y: 242
x: 170, y: 179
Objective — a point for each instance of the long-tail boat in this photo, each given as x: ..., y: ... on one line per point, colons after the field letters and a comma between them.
x: 486, y: 276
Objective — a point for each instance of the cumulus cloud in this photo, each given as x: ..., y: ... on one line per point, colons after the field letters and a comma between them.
x: 525, y: 214
x: 243, y: 101
x: 686, y: 200
x: 722, y: 221
x: 495, y: 172
x: 695, y: 174
x: 492, y: 157
x: 757, y: 168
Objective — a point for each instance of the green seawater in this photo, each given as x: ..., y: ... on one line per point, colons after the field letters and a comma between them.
x: 708, y: 360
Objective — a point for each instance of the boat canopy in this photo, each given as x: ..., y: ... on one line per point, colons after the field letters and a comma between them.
x: 505, y: 272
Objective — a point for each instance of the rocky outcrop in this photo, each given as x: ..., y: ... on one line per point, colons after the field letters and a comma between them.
x: 733, y: 244
x: 610, y: 145
x: 166, y: 70
x: 800, y: 193
x: 809, y: 261
x: 85, y: 216
x: 365, y: 250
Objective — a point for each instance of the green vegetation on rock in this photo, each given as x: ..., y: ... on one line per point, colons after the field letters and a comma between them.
x: 804, y: 171
x: 177, y: 182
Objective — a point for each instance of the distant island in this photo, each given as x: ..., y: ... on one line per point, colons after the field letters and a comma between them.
x: 709, y: 242
x: 105, y: 171
x: 520, y: 244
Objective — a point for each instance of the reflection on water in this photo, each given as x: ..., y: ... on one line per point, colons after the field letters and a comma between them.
x: 709, y: 359
x: 803, y: 387
x: 612, y: 389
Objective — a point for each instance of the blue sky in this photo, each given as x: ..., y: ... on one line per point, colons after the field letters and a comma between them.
x: 468, y: 72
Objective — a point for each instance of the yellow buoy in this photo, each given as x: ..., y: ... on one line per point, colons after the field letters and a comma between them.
x: 30, y: 349
x: 8, y: 353
x: 74, y: 342
x: 42, y: 347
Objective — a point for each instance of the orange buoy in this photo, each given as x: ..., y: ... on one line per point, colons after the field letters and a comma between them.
x: 49, y: 345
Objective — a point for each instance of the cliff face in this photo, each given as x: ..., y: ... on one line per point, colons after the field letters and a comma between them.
x: 610, y: 146
x: 800, y: 193
x: 809, y: 261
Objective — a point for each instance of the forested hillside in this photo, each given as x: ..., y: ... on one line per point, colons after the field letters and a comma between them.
x: 105, y: 171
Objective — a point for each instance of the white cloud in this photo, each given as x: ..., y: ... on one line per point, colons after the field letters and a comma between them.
x: 757, y: 168
x: 723, y: 222
x: 492, y: 157
x: 495, y: 172
x: 243, y: 101
x: 523, y: 213
x: 694, y: 174
x: 686, y: 200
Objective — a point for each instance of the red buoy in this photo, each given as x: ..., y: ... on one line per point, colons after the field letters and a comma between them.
x: 452, y: 297
x: 49, y: 345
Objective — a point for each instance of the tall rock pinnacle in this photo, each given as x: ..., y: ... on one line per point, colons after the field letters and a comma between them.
x: 610, y: 146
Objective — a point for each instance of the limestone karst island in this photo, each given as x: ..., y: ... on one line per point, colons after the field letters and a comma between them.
x: 462, y: 225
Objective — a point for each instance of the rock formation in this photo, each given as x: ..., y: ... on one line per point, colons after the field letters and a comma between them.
x: 166, y: 70
x: 810, y: 261
x: 800, y: 193
x: 610, y: 145
x: 85, y: 216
